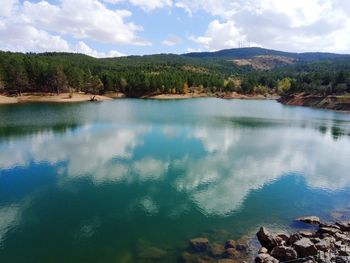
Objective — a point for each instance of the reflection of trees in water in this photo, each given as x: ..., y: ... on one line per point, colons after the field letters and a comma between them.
x: 9, y: 132
x: 337, y: 128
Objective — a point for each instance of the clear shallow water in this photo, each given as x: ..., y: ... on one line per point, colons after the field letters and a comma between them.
x: 104, y: 182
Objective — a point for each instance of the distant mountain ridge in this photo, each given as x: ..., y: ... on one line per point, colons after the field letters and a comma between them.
x: 248, y: 53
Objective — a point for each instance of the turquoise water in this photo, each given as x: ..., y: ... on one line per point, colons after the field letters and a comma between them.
x: 105, y: 182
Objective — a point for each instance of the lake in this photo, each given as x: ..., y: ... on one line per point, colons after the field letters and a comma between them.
x: 104, y: 182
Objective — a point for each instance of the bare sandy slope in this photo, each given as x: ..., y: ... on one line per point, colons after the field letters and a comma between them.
x: 61, y: 98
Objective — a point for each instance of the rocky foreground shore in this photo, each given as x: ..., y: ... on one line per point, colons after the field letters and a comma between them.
x: 329, y: 243
x: 325, y: 243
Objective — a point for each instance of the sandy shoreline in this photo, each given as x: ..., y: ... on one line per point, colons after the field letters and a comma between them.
x: 82, y: 97
x: 54, y: 98
x: 206, y: 95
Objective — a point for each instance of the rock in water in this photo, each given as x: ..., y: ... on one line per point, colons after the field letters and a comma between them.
x: 284, y: 253
x: 313, y: 220
x: 199, y: 243
x: 230, y: 243
x: 268, y: 240
x: 232, y: 253
x: 305, y: 247
x: 152, y: 253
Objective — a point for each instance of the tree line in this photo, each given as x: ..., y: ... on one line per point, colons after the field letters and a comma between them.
x: 157, y: 74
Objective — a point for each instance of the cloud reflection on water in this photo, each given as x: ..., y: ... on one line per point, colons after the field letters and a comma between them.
x: 234, y: 162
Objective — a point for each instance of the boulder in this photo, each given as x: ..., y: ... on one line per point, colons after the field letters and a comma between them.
x: 313, y: 220
x: 284, y: 253
x: 340, y: 260
x: 324, y: 245
x: 199, y: 243
x: 304, y: 247
x: 338, y: 244
x: 329, y: 225
x: 265, y: 258
x: 268, y: 240
x: 307, y: 234
x: 217, y: 250
x: 283, y: 236
x: 328, y: 230
x: 342, y: 237
x: 315, y: 240
x: 344, y: 251
x: 294, y: 238
x: 344, y: 226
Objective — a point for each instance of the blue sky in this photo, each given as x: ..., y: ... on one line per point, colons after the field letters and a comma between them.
x: 104, y: 28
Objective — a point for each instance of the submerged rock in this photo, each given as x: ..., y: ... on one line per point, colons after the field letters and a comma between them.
x: 232, y: 253
x: 217, y: 250
x: 187, y: 257
x: 152, y: 253
x: 199, y: 243
x: 230, y: 243
x: 313, y: 220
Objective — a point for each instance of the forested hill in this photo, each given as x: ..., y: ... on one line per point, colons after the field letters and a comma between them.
x: 247, y: 70
x: 133, y: 75
x: 248, y: 53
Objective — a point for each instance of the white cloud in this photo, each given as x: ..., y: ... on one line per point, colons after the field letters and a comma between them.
x: 90, y: 20
x: 314, y: 25
x: 147, y: 5
x: 8, y: 7
x: 220, y: 36
x: 42, y: 26
x: 23, y: 37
